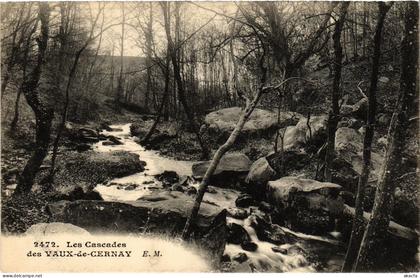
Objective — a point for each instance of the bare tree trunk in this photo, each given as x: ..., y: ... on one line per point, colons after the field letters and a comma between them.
x: 281, y: 50
x: 43, y: 113
x: 64, y: 114
x: 92, y: 65
x: 334, y: 114
x: 178, y: 79
x: 280, y: 134
x: 149, y: 38
x: 364, y: 29
x: 345, y: 42
x: 249, y: 108
x: 67, y: 100
x: 12, y: 59
x: 358, y: 224
x: 15, y: 120
x: 356, y: 48
x: 235, y: 84
x: 120, y: 86
x: 378, y: 224
x: 111, y: 80
x: 165, y: 97
x: 178, y: 53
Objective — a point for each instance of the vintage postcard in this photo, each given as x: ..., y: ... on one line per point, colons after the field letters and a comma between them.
x: 209, y: 137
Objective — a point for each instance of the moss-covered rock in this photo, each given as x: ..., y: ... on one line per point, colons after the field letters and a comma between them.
x: 221, y: 123
x: 88, y: 169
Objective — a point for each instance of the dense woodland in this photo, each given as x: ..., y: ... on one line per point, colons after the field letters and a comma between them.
x: 324, y: 92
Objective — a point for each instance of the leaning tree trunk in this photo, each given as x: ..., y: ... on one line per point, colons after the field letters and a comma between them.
x: 42, y: 141
x: 43, y: 113
x: 215, y: 161
x: 374, y: 236
x: 335, y: 94
x: 358, y: 224
x: 250, y: 106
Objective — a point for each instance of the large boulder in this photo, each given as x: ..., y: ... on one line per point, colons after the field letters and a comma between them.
x: 348, y: 139
x: 213, y: 238
x: 272, y: 167
x: 138, y: 129
x: 232, y: 166
x: 244, y: 201
x: 237, y: 213
x: 161, y: 137
x: 80, y: 137
x: 315, y: 129
x: 161, y: 212
x: 260, y: 172
x: 90, y: 168
x: 305, y: 133
x: 240, y: 257
x: 281, y: 191
x: 405, y: 211
x: 168, y: 178
x: 223, y: 121
x: 81, y: 133
x: 78, y: 193
x: 112, y: 141
x: 267, y: 232
x: 293, y: 138
x: 158, y: 139
x: 237, y: 234
x: 349, y: 146
x: 54, y: 228
x: 311, y: 206
x: 85, y: 132
x: 288, y: 161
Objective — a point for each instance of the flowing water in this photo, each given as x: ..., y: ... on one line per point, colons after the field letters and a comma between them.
x: 263, y: 259
x: 155, y: 164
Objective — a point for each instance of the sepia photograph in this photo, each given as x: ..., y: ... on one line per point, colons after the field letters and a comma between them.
x: 212, y: 137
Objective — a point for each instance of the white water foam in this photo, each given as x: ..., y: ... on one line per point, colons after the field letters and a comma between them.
x: 145, y: 181
x: 264, y: 258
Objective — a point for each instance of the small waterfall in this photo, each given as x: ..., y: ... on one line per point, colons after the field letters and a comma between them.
x: 263, y: 259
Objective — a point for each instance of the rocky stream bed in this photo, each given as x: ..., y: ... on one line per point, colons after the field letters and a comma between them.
x: 251, y: 219
x: 252, y: 244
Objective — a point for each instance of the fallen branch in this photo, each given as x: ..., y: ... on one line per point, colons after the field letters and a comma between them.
x: 394, y: 228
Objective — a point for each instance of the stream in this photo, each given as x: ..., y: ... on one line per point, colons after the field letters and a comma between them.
x: 263, y: 259
x: 155, y: 164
